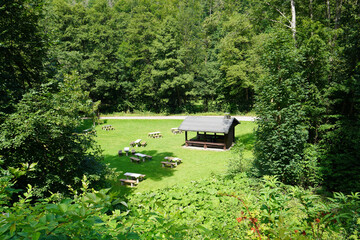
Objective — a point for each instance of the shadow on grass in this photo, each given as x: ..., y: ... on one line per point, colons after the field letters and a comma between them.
x: 88, y: 124
x: 151, y: 168
x: 248, y: 140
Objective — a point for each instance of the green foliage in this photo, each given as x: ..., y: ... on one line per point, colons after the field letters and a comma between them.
x: 242, y: 208
x: 168, y: 72
x: 282, y: 134
x: 151, y: 56
x: 86, y: 39
x: 172, y: 56
x: 45, y: 130
x: 238, y: 163
x: 340, y: 143
x: 89, y: 214
x: 234, y: 59
x: 314, y: 73
x: 22, y: 50
x: 236, y: 208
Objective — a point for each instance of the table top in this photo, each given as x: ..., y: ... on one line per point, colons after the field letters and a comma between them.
x: 154, y: 133
x: 126, y: 148
x: 135, y: 175
x: 172, y: 158
x: 140, y: 154
x: 137, y: 141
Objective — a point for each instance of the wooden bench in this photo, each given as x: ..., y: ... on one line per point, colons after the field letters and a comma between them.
x: 89, y: 131
x: 132, y: 182
x: 143, y: 144
x: 173, y: 159
x: 107, y: 128
x: 153, y: 134
x: 134, y: 159
x: 170, y: 164
x: 149, y: 157
x: 206, y: 144
x: 135, y: 176
x: 176, y: 131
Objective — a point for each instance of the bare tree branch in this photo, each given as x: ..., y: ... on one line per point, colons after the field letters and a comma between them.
x: 276, y: 21
x: 282, y: 14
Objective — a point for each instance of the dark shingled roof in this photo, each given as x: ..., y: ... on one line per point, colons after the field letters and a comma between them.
x: 208, y: 124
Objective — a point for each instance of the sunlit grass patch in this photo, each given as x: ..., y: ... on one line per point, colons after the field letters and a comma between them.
x: 197, y: 164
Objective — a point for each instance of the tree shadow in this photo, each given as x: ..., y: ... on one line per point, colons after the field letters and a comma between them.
x: 247, y: 140
x: 151, y: 168
x: 86, y: 124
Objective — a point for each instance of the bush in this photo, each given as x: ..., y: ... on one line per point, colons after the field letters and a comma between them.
x: 220, y: 207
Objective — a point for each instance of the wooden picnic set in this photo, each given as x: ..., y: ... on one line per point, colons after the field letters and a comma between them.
x: 133, y: 179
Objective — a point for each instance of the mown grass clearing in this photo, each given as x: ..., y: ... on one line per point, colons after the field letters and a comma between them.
x: 197, y: 164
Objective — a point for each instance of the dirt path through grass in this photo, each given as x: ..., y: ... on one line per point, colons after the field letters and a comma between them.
x: 239, y: 118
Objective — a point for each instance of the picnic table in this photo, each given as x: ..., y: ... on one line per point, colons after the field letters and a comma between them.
x: 169, y: 164
x: 129, y: 181
x: 176, y: 131
x: 89, y: 131
x: 173, y: 159
x: 134, y: 159
x: 137, y: 142
x: 107, y: 127
x: 142, y: 156
x: 155, y: 134
x: 135, y: 176
x: 126, y: 150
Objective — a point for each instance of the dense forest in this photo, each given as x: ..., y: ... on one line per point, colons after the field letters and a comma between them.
x: 296, y: 64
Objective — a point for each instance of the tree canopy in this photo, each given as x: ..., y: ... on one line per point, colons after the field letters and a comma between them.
x: 295, y: 63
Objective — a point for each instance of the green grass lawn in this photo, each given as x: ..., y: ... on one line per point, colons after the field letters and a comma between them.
x: 196, y: 164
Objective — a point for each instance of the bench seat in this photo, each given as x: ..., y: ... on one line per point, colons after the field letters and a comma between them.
x: 128, y: 181
x: 170, y: 164
x: 206, y: 144
x: 134, y: 159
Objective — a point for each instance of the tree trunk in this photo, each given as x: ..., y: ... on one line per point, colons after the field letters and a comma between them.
x: 293, y: 19
x: 328, y: 10
x: 206, y: 104
x: 178, y: 97
x: 338, y: 13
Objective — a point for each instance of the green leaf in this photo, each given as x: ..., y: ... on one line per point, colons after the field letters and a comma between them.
x: 36, y: 235
x: 63, y: 207
x: 12, y: 229
x: 4, y: 228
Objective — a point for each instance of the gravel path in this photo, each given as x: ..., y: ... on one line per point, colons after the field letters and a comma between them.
x: 239, y: 118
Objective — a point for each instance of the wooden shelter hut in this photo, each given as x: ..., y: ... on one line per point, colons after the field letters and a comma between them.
x: 216, y: 132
